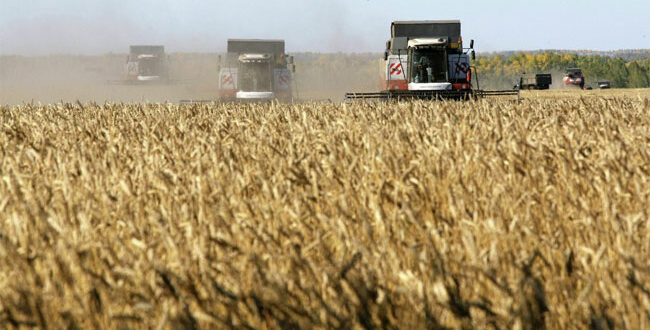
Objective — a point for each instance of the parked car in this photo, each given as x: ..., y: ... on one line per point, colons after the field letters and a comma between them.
x: 604, y: 84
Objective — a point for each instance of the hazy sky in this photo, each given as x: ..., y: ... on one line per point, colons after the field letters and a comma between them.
x: 101, y: 26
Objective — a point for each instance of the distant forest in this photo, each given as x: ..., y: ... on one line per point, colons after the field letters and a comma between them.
x: 624, y: 69
x: 624, y: 54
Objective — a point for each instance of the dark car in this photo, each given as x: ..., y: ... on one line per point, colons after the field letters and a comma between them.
x: 604, y: 84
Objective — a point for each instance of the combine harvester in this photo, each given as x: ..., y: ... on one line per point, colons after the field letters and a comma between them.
x: 145, y: 64
x: 573, y: 78
x: 256, y: 70
x: 426, y: 60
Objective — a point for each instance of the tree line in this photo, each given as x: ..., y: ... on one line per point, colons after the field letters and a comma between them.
x: 503, y: 70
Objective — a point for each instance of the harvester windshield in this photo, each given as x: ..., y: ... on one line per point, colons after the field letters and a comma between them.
x: 429, y: 65
x: 255, y: 73
x: 148, y: 65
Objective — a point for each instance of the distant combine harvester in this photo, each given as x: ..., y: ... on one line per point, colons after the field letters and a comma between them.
x: 256, y: 70
x: 574, y: 77
x: 145, y: 64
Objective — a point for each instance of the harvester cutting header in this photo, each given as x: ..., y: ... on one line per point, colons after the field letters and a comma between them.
x: 427, y: 60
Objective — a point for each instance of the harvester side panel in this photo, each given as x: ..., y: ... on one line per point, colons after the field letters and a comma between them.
x: 282, y: 78
x: 282, y: 83
x: 458, y: 67
x: 131, y: 69
x: 228, y: 82
x: 396, y: 71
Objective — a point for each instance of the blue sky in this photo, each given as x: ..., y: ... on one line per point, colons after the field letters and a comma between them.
x: 101, y: 26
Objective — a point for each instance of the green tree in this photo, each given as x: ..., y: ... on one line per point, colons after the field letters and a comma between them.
x: 637, y: 76
x: 617, y: 73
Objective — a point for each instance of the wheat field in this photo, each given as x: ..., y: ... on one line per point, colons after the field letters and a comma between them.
x: 482, y: 214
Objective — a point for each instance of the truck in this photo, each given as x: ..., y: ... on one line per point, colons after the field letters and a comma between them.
x: 256, y: 70
x: 146, y: 63
x: 535, y: 81
x: 574, y: 77
x: 427, y: 60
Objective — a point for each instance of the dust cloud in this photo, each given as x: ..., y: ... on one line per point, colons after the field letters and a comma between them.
x: 40, y: 41
x: 329, y: 76
x: 557, y: 75
x: 194, y: 76
x: 50, y: 79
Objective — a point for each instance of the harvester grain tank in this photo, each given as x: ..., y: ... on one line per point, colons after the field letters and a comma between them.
x: 256, y: 70
x: 426, y: 59
x: 146, y: 63
x: 574, y: 77
x: 535, y: 81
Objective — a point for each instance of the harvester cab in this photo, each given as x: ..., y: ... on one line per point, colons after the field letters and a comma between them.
x: 146, y: 63
x: 436, y: 66
x: 256, y: 70
x: 255, y: 82
x: 426, y: 59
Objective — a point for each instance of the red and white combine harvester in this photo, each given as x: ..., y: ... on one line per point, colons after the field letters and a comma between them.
x: 426, y: 60
x: 146, y: 64
x: 256, y: 70
x: 574, y: 77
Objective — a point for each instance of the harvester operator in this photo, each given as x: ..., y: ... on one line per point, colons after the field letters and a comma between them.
x: 423, y: 72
